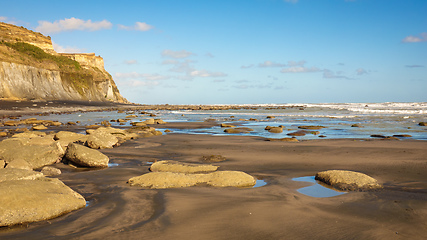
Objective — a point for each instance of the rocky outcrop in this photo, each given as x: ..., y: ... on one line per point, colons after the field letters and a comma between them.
x: 31, y: 69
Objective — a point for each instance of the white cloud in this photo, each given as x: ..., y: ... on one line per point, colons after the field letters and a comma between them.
x: 413, y: 39
x: 210, y: 55
x: 60, y: 49
x: 130, y: 62
x: 295, y: 64
x: 71, y: 24
x: 300, y: 70
x: 205, y: 73
x: 270, y: 64
x: 361, y: 71
x: 219, y: 80
x: 139, y: 26
x: 3, y: 19
x: 176, y: 54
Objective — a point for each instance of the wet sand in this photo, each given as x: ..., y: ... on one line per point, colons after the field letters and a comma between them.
x: 275, y: 211
x: 116, y: 210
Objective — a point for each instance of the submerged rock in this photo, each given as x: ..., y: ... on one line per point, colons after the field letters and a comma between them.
x: 213, y: 158
x: 26, y: 201
x: 178, y: 167
x: 348, y: 180
x: 85, y: 156
x: 311, y: 127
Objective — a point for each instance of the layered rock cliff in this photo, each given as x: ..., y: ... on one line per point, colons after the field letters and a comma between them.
x: 31, y: 69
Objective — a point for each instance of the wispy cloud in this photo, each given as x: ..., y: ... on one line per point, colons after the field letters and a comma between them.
x: 60, y: 49
x: 139, y: 26
x: 415, y: 66
x: 291, y: 1
x: 270, y: 64
x: 300, y: 70
x: 130, y: 62
x: 3, y: 19
x: 361, y: 71
x: 247, y: 66
x: 176, y: 54
x: 330, y: 74
x: 205, y: 73
x: 413, y: 39
x: 72, y: 24
x: 144, y: 76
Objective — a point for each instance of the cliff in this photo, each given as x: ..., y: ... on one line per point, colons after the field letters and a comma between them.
x: 31, y: 69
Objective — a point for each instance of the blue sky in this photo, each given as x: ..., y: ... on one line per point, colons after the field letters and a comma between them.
x: 244, y: 51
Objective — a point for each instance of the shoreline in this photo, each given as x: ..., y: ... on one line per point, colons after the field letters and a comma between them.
x: 116, y: 210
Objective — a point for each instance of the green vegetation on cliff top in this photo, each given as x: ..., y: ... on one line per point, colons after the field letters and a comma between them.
x: 38, y: 54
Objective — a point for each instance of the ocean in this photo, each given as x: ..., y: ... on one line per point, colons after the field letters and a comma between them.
x: 340, y: 120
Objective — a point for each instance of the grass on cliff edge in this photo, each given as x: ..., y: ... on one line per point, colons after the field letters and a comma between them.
x: 37, y: 53
x: 70, y: 70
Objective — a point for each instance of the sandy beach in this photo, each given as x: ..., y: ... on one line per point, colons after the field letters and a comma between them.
x: 116, y: 210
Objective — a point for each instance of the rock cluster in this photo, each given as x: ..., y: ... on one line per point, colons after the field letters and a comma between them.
x: 171, y: 174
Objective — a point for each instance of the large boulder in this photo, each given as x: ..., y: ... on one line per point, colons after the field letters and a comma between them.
x: 38, y: 151
x: 348, y: 180
x: 24, y: 201
x: 177, y: 167
x: 85, y: 156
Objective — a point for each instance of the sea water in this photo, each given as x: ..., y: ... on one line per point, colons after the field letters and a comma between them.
x: 339, y: 119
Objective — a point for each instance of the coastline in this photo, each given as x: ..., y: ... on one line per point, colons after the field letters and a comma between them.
x: 275, y: 211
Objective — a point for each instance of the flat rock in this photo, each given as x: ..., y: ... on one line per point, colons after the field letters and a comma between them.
x: 85, y: 156
x: 12, y: 174
x: 227, y: 125
x: 238, y: 130
x: 311, y: 127
x: 178, y: 167
x: 161, y: 180
x: 348, y: 180
x: 230, y: 179
x: 26, y: 201
x: 282, y: 139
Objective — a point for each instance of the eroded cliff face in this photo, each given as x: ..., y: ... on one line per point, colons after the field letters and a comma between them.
x: 31, y: 69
